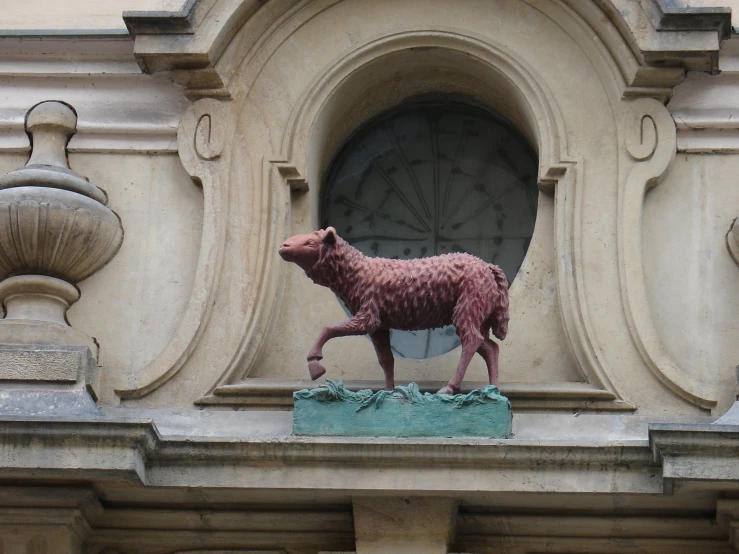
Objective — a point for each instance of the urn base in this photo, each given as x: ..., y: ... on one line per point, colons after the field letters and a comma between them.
x: 38, y: 348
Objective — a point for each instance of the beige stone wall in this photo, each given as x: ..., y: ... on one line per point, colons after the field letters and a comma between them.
x: 68, y: 14
x: 133, y: 304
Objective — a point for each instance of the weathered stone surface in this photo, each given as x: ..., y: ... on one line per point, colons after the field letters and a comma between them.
x: 24, y: 402
x: 58, y: 366
x: 407, y: 525
x: 285, y: 84
x: 40, y: 364
x: 404, y: 412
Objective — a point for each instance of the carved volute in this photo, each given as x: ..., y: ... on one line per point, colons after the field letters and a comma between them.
x: 732, y: 240
x: 55, y: 230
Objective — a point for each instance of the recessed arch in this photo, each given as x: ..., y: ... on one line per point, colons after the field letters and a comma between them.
x: 390, y: 70
x: 383, y: 73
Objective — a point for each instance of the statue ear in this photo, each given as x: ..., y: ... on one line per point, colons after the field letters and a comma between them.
x: 330, y: 236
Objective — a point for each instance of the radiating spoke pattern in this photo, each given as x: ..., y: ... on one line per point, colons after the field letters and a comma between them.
x: 428, y: 180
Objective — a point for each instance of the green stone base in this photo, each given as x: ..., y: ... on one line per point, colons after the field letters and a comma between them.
x: 331, y: 410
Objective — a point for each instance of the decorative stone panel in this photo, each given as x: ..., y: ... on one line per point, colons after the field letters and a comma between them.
x: 294, y: 81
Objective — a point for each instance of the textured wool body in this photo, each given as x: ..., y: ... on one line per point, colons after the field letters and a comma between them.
x: 416, y: 294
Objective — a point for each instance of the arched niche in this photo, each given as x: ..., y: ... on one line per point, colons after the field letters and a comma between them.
x: 301, y: 77
x: 390, y: 71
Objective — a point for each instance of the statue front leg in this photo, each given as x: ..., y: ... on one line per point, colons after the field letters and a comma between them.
x: 381, y: 342
x: 360, y: 324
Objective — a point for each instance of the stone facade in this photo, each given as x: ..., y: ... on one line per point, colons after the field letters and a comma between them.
x: 204, y: 132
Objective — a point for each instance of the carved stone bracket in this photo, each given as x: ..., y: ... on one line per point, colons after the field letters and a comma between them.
x: 290, y: 173
x: 201, y: 138
x: 649, y: 138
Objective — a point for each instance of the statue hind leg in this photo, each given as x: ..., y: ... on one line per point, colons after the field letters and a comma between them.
x: 489, y: 351
x: 468, y: 329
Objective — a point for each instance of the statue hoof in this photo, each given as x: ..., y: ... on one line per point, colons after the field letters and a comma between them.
x: 316, y: 369
x: 446, y: 390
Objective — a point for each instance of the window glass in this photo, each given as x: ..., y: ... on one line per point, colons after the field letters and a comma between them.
x: 429, y: 180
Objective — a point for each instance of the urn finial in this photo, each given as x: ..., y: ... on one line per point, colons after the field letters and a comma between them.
x: 50, y: 124
x: 55, y: 230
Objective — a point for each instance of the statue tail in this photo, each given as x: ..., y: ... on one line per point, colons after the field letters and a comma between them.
x: 499, y: 317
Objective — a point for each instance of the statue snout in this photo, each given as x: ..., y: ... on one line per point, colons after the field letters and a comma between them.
x: 284, y: 249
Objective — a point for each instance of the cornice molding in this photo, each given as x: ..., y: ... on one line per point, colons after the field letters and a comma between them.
x: 666, y: 17
x: 174, y: 22
x: 272, y: 393
x: 706, y: 107
x: 133, y: 449
x: 128, y: 112
x: 193, y: 39
x: 698, y: 453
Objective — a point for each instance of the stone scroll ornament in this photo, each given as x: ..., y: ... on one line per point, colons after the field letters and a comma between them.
x: 411, y: 295
x: 732, y: 240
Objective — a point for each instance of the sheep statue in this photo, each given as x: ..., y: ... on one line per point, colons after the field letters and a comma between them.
x: 411, y: 295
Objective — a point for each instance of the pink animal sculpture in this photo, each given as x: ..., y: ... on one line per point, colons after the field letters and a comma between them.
x: 411, y: 295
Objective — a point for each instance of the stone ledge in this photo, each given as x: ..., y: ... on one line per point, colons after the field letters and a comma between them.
x: 133, y: 450
x: 44, y: 402
x: 705, y: 454
x: 569, y: 397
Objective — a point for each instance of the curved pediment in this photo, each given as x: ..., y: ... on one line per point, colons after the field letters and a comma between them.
x: 646, y: 39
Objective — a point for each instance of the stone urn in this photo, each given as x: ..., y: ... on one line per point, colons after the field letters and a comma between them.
x: 55, y: 230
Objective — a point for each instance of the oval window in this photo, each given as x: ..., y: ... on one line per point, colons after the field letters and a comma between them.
x: 428, y: 180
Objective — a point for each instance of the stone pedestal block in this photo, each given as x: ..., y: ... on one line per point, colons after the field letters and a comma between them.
x: 46, y: 367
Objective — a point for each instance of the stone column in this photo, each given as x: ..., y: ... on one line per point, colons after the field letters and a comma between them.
x: 55, y: 230
x: 727, y: 518
x: 45, y: 520
x: 417, y: 525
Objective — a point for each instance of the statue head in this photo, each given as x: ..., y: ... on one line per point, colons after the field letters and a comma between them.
x: 306, y: 250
